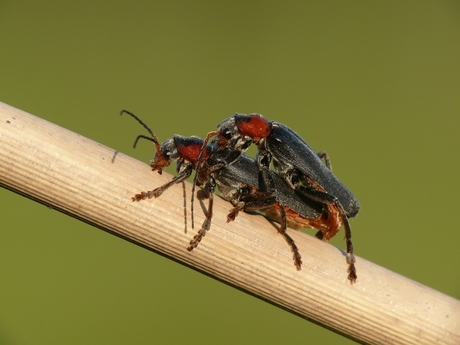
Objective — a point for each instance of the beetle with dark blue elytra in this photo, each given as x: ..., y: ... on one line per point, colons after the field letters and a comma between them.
x: 300, y: 166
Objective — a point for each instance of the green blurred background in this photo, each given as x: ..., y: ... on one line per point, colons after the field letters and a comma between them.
x: 375, y: 84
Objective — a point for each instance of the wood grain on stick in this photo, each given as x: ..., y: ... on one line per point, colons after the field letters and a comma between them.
x: 94, y: 183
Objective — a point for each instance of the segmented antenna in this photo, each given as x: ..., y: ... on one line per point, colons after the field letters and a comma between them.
x: 153, y: 137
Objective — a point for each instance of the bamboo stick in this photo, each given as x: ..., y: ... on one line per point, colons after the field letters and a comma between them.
x: 94, y: 183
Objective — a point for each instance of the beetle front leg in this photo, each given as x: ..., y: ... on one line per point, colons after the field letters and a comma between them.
x: 158, y: 191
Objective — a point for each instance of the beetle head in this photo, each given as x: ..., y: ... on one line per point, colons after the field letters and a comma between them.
x: 165, y: 155
x: 254, y: 126
x: 240, y: 131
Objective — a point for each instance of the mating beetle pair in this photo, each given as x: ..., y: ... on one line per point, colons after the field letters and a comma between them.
x: 238, y: 183
x: 308, y: 194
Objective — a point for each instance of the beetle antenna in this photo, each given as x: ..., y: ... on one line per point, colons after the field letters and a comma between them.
x: 153, y: 137
x: 141, y: 136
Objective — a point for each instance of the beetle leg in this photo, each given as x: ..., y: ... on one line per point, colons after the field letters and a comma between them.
x: 234, y: 212
x: 267, y: 183
x: 158, y: 191
x: 258, y: 203
x: 350, y: 255
x: 250, y: 202
x: 283, y: 226
x: 326, y: 198
x: 210, y: 188
x: 325, y: 156
x: 296, y: 255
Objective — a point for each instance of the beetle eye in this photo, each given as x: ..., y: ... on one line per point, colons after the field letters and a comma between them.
x: 245, y: 191
x: 227, y: 134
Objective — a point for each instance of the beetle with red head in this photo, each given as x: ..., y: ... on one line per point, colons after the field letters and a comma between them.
x: 300, y: 166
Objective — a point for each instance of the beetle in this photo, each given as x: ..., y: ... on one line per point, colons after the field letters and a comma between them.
x: 184, y: 150
x: 239, y: 183
x: 301, y: 167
